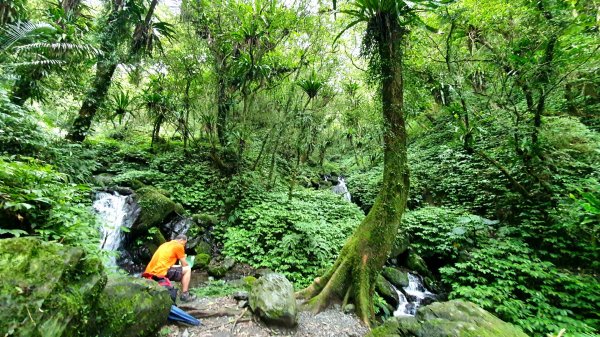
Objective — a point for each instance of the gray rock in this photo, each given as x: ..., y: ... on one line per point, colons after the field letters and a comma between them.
x: 416, y: 263
x: 396, y: 277
x: 272, y: 299
x: 349, y: 308
x: 218, y: 268
x: 46, y: 283
x: 130, y: 307
x: 454, y: 318
x: 387, y: 291
x: 66, y: 294
x: 240, y: 295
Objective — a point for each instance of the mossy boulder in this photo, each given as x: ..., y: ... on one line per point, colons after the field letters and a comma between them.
x: 203, y: 247
x: 130, y: 307
x: 387, y: 291
x: 47, y: 288
x: 395, y: 276
x: 456, y: 318
x: 272, y: 299
x: 219, y: 267
x: 416, y: 263
x: 202, y: 261
x: 205, y: 220
x: 155, y: 208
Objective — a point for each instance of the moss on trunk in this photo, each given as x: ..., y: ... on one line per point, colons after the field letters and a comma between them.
x: 353, y: 276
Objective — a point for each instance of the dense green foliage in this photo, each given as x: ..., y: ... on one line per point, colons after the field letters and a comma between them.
x: 297, y: 237
x: 237, y: 110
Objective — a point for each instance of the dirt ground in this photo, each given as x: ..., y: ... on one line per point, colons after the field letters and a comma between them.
x: 221, y: 317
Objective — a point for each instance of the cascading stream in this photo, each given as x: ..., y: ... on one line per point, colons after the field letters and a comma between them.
x: 415, y: 294
x: 116, y: 211
x: 342, y: 189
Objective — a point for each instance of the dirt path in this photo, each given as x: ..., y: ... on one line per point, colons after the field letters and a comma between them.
x: 225, y: 319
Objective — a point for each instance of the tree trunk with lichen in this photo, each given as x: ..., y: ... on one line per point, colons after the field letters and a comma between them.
x: 353, y: 276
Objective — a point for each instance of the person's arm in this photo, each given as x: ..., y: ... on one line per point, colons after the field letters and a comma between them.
x: 181, y: 256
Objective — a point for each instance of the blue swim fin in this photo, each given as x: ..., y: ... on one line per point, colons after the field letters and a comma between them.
x: 179, y: 315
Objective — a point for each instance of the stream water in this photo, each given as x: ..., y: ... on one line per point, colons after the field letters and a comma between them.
x: 116, y: 212
x: 412, y: 296
x: 342, y: 189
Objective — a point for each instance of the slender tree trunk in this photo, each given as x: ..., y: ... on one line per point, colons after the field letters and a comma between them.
x: 106, y: 67
x: 92, y: 101
x: 353, y: 275
x: 70, y: 6
x: 222, y: 111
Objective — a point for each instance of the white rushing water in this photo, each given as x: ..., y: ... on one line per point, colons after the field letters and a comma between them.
x: 342, y: 189
x: 115, y: 211
x: 416, y: 292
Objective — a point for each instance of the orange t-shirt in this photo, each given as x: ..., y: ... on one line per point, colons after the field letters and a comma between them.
x: 165, y: 256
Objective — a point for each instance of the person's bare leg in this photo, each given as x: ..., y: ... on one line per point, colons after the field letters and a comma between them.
x: 185, y: 279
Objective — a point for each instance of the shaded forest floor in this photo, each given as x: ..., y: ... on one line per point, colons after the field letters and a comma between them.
x: 225, y: 319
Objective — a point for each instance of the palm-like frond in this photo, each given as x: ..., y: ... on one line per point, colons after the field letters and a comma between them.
x: 59, y: 48
x: 22, y: 30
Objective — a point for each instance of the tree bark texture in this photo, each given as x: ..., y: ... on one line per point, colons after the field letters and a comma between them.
x: 352, y: 277
x: 92, y: 101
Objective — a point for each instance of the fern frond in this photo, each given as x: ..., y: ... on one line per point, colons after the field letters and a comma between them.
x: 59, y: 47
x: 21, y: 30
x: 50, y: 62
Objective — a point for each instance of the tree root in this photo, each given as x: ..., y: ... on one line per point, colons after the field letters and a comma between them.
x: 348, y: 281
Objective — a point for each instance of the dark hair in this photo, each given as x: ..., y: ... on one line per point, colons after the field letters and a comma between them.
x: 181, y: 237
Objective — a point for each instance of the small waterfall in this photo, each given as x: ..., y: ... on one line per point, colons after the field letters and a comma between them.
x: 415, y: 294
x: 116, y: 211
x: 341, y: 189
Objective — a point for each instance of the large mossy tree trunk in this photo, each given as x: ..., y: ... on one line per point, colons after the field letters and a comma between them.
x: 353, y: 276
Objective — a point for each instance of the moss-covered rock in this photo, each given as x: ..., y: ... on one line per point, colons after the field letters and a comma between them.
x: 396, y: 277
x: 203, y: 247
x: 454, y: 318
x: 205, y: 220
x: 272, y: 299
x: 155, y: 208
x: 416, y: 263
x: 386, y: 290
x: 47, y: 288
x: 202, y: 261
x: 130, y: 307
x: 219, y: 267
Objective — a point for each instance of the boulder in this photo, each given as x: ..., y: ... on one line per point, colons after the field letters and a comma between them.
x: 456, y: 318
x: 155, y: 208
x: 218, y: 268
x: 387, y: 291
x: 272, y: 299
x: 396, y: 277
x: 202, y: 247
x: 416, y: 263
x: 47, y: 288
x: 202, y: 261
x: 130, y: 307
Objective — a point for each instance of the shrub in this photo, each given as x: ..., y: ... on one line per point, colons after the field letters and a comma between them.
x: 505, y: 276
x: 297, y: 238
x: 444, y: 232
x: 35, y: 199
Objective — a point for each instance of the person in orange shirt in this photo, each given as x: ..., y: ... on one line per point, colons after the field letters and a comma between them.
x: 163, y: 261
